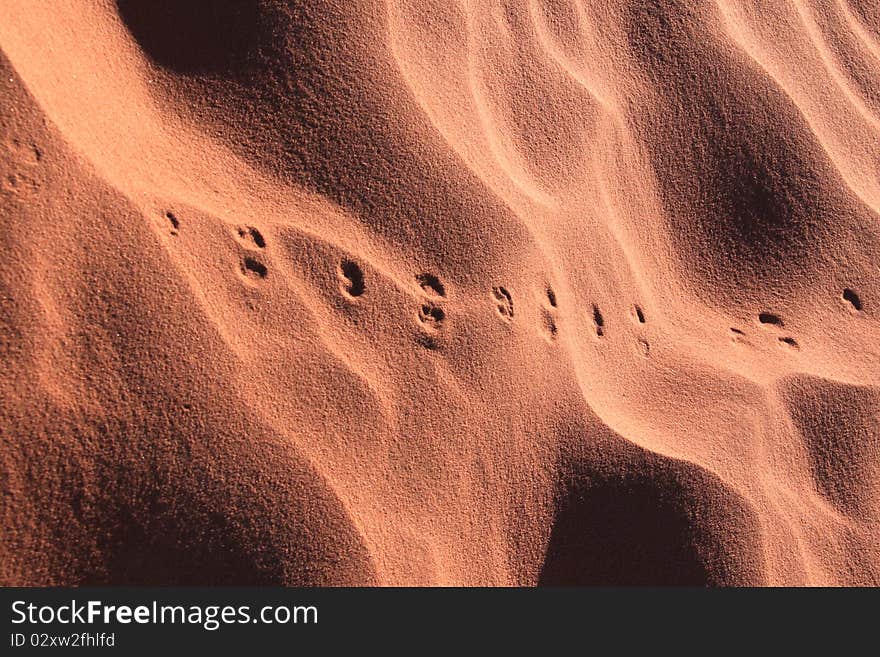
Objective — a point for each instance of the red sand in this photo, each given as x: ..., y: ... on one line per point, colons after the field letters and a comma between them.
x: 423, y: 292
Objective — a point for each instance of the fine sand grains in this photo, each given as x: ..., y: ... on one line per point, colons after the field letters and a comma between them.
x: 462, y: 293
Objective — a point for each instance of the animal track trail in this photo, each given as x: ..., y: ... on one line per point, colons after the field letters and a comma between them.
x: 849, y: 296
x: 504, y: 303
x: 774, y: 320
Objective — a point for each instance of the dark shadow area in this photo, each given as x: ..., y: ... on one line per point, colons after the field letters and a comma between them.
x: 353, y: 277
x: 598, y: 320
x: 431, y: 284
x: 852, y: 298
x: 203, y: 550
x: 622, y: 532
x: 651, y: 521
x: 195, y: 36
x: 254, y: 267
x: 209, y: 533
x: 770, y: 318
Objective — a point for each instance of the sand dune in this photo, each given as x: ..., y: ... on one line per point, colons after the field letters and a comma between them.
x: 440, y: 293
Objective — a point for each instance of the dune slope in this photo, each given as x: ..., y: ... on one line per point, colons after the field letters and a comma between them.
x: 440, y: 293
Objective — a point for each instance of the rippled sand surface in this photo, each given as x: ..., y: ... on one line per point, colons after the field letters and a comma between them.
x: 440, y: 293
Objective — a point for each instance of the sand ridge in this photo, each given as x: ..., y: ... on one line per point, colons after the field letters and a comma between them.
x: 418, y: 292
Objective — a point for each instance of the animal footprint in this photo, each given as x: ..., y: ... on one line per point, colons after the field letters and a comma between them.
x: 737, y: 335
x: 26, y: 151
x: 548, y: 318
x: 431, y: 319
x: 253, y: 269
x: 431, y: 285
x: 504, y: 303
x: 19, y: 182
x: 431, y: 315
x: 776, y: 321
x: 598, y: 321
x: 852, y: 298
x: 251, y: 237
x: 174, y: 221
x: 351, y: 278
x: 771, y: 319
x: 25, y: 178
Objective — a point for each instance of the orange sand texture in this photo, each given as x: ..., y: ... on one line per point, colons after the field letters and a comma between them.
x: 440, y: 292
